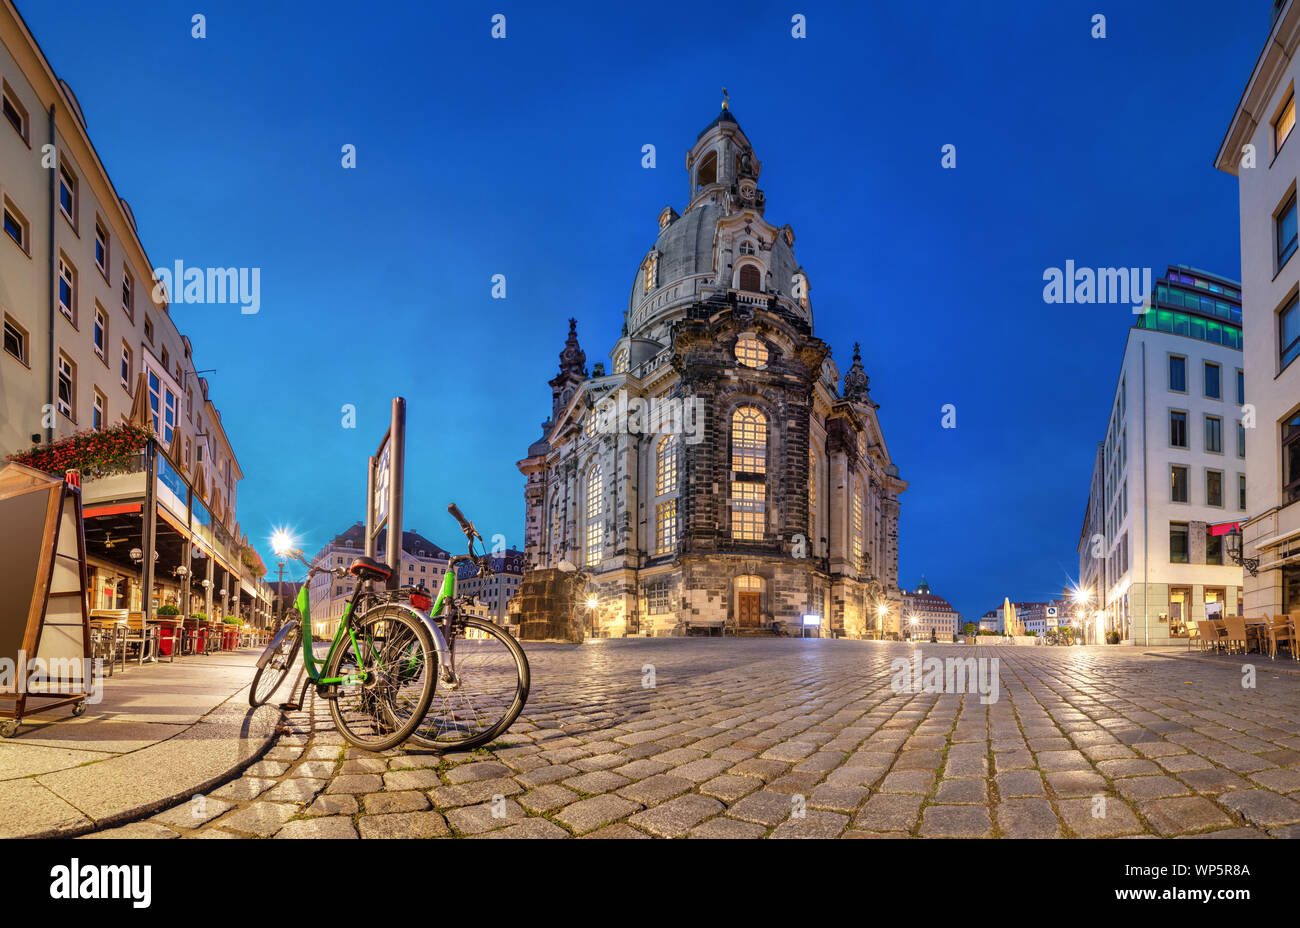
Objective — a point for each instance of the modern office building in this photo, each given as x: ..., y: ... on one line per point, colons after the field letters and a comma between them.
x: 1262, y: 150
x: 1173, y: 463
x: 90, y: 349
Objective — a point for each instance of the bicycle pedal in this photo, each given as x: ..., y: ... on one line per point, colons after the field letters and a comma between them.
x: 327, y: 692
x: 291, y: 706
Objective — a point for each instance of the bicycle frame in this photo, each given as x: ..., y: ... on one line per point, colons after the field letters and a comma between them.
x: 342, y: 633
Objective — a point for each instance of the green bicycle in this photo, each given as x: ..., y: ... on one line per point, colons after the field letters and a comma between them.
x: 378, y: 674
x: 483, y: 678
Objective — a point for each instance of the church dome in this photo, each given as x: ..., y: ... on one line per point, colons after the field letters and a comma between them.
x: 683, y: 249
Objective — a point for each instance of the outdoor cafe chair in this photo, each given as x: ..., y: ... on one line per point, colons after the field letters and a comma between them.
x: 1238, y: 631
x: 142, y: 635
x: 1211, y: 635
x: 1279, y: 630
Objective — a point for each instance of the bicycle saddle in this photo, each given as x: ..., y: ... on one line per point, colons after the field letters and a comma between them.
x: 367, y: 568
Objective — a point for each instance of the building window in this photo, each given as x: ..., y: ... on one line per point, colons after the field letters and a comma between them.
x: 98, y: 411
x: 1178, y: 484
x: 746, y: 248
x: 751, y: 278
x: 128, y: 294
x: 1288, y: 321
x: 15, y: 339
x: 1213, y: 386
x: 1284, y: 123
x: 595, y: 524
x: 666, y: 527
x: 126, y: 367
x: 100, y: 334
x: 666, y: 466
x: 748, y: 509
x: 68, y: 194
x: 1291, y: 459
x: 16, y: 226
x: 67, y: 290
x: 14, y: 111
x: 162, y: 407
x: 812, y: 494
x: 1214, y: 434
x: 101, y: 248
x: 748, y: 441
x: 1241, y: 492
x: 1213, y: 548
x: 1241, y: 388
x: 1213, y: 488
x: 1286, y: 232
x: 856, y: 530
x: 750, y: 351
x: 67, y: 386
x: 166, y: 359
x: 1241, y: 440
x: 589, y: 428
x: 708, y: 172
x: 656, y: 598
x: 1177, y: 374
x: 1178, y: 429
x: 1178, y: 542
x: 620, y: 361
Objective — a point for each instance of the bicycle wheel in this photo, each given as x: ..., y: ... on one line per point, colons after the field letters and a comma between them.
x: 387, y: 679
x: 484, y: 695
x: 271, y: 674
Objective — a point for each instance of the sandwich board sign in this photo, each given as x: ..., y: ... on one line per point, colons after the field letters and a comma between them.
x: 44, y: 613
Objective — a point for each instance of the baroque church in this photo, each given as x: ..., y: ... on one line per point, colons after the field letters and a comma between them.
x: 773, y: 505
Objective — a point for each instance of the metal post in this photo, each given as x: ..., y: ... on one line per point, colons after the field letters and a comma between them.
x: 397, y: 469
x: 149, y: 530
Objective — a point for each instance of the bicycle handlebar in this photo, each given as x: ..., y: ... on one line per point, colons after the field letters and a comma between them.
x: 466, y: 526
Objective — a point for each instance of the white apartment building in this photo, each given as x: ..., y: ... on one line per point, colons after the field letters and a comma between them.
x: 1174, y: 463
x: 493, y: 592
x: 88, y: 345
x: 1262, y: 150
x: 424, y: 564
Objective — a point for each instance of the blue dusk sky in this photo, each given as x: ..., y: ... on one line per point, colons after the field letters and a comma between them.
x: 522, y: 157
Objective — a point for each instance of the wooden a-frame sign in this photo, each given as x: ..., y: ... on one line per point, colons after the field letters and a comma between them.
x: 44, y: 611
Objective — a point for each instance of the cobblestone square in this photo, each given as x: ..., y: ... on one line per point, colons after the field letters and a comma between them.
x: 808, y: 738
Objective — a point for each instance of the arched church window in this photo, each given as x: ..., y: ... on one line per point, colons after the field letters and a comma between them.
x: 708, y: 172
x: 650, y: 271
x: 555, y: 526
x: 666, y: 466
x: 748, y: 465
x: 857, y: 526
x: 589, y: 428
x: 620, y: 361
x: 746, y: 248
x: 812, y: 493
x: 749, y: 441
x: 750, y: 351
x: 751, y: 278
x: 595, y: 523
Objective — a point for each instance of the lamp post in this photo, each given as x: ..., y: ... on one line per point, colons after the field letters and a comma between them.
x: 592, y: 603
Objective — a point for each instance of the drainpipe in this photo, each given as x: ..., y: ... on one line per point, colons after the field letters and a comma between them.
x: 54, y: 271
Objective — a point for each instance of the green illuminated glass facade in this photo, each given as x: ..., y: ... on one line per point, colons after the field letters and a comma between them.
x: 1197, y: 305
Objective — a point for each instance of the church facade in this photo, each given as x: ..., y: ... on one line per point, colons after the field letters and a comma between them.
x: 717, y: 474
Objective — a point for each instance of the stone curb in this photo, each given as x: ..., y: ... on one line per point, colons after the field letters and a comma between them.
x: 1272, y: 665
x: 258, y: 744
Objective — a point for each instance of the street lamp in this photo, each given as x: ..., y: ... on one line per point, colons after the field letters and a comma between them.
x: 592, y: 603
x: 282, y: 544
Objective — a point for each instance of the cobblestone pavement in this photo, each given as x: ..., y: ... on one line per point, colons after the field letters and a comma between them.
x: 790, y: 738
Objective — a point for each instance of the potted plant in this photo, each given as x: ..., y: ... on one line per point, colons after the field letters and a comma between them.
x: 167, y: 634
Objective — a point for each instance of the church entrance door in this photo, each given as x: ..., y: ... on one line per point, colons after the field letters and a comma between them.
x: 747, y: 609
